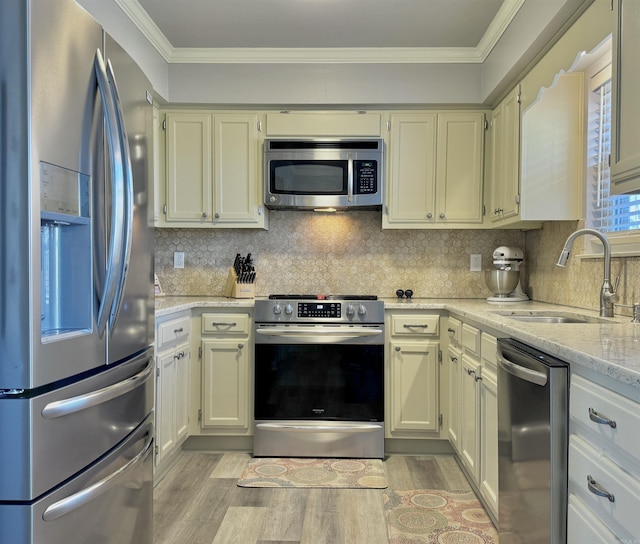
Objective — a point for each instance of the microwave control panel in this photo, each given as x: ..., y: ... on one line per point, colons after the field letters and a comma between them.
x: 366, y: 177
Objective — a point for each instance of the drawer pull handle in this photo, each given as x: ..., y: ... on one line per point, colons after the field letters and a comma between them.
x: 596, y: 417
x: 454, y: 359
x: 452, y: 331
x: 178, y: 331
x: 597, y: 489
x: 223, y: 324
x: 416, y: 326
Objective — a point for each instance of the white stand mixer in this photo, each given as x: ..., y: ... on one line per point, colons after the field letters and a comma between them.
x: 507, y: 261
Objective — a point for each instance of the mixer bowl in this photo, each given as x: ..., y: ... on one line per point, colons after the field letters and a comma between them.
x: 501, y: 282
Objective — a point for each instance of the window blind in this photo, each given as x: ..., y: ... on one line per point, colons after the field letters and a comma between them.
x: 605, y: 212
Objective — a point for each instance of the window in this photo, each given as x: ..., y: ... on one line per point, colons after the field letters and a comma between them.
x: 605, y: 213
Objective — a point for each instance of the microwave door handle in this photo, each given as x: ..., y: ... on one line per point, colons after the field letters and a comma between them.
x: 350, y: 180
x: 113, y: 264
x: 126, y: 194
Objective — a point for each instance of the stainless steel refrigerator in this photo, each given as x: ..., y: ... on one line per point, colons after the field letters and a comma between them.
x: 76, y: 281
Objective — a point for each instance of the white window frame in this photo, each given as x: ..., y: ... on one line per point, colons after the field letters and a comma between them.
x: 623, y: 244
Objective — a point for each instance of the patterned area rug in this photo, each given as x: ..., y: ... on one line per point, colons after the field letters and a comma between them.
x: 291, y: 472
x: 437, y: 517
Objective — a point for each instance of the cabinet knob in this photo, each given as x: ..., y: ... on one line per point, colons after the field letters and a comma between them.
x: 205, y: 215
x: 240, y: 346
x: 442, y: 216
x: 429, y: 215
x: 398, y: 348
x: 217, y: 215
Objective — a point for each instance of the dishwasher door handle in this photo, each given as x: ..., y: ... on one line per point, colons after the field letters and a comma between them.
x: 532, y: 376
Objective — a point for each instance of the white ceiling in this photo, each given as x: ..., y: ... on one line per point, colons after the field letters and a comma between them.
x: 323, y: 30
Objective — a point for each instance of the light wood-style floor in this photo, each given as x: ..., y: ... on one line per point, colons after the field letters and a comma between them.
x: 198, y: 501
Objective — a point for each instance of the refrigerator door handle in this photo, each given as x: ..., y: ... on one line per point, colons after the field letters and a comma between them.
x: 532, y: 376
x: 114, y: 264
x: 61, y: 408
x: 75, y: 501
x: 127, y: 198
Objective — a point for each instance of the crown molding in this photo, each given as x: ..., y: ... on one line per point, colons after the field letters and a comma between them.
x: 316, y: 55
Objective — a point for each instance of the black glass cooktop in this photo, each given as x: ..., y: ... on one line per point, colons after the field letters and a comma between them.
x: 323, y: 297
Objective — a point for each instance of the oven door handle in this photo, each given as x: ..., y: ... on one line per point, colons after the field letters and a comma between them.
x: 325, y: 334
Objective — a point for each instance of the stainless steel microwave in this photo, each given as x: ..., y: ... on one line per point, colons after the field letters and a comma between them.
x: 318, y: 174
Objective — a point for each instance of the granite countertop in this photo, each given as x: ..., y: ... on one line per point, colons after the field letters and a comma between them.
x: 611, y: 347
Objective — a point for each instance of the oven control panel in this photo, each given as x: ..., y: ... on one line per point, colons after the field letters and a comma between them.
x: 320, y: 309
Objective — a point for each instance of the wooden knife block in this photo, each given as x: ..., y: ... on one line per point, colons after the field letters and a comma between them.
x: 233, y: 289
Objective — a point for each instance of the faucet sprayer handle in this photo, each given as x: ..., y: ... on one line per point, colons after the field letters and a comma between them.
x: 615, y: 288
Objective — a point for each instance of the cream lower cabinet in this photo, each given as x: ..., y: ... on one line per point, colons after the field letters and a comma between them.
x: 469, y: 415
x: 435, y: 171
x: 173, y: 358
x: 488, y: 475
x: 226, y: 359
x: 604, y: 464
x: 212, y: 170
x: 412, y: 406
x: 472, y: 414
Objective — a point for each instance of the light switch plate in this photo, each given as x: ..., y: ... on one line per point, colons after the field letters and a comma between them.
x: 178, y: 259
x: 476, y: 262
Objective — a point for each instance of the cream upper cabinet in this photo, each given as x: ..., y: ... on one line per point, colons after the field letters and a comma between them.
x: 503, y: 183
x: 435, y: 170
x: 546, y: 142
x: 213, y: 170
x: 625, y: 144
x: 321, y: 124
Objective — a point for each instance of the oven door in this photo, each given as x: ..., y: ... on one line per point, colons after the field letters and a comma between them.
x: 319, y: 391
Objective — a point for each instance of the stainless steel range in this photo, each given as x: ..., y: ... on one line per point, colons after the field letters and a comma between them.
x: 319, y: 376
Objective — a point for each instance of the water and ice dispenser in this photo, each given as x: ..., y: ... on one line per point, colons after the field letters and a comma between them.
x: 67, y: 296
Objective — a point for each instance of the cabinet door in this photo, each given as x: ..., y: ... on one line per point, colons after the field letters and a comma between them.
x: 489, y: 439
x: 504, y: 177
x: 183, y: 363
x: 225, y: 385
x: 454, y: 365
x: 412, y: 169
x: 469, y: 416
x: 460, y: 159
x: 165, y: 403
x: 625, y: 127
x: 414, y: 386
x: 188, y: 163
x: 238, y: 195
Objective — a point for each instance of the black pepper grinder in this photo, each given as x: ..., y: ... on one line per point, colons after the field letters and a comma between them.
x: 408, y: 293
x: 399, y: 293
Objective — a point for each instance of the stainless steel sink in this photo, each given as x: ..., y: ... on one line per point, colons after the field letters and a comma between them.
x: 553, y: 317
x: 548, y: 319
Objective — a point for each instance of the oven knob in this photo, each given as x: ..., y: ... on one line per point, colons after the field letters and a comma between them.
x: 362, y: 309
x: 277, y: 309
x: 351, y: 311
x: 288, y: 309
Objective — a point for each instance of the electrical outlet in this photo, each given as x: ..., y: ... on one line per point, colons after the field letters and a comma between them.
x: 476, y: 262
x: 178, y: 259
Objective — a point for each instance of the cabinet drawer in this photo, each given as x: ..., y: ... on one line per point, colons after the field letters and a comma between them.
x: 225, y: 323
x: 471, y: 339
x: 488, y: 349
x: 423, y: 325
x: 584, y: 526
x: 621, y: 512
x: 454, y: 330
x: 175, y: 329
x: 590, y: 403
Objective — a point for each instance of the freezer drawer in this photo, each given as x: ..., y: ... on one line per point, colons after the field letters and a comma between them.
x: 49, y: 437
x: 108, y: 503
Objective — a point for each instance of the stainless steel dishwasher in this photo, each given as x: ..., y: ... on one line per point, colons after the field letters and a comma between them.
x: 532, y: 445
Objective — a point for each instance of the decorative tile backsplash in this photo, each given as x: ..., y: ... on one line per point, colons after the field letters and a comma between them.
x: 350, y: 253
x: 305, y: 252
x: 578, y: 284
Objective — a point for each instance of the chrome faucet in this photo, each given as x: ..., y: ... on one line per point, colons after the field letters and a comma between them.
x: 607, y: 292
